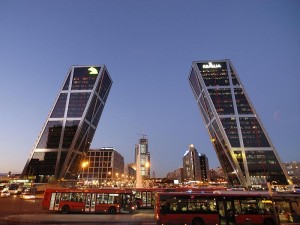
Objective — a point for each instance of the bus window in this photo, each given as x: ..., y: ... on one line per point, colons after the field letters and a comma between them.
x: 102, y: 198
x: 73, y: 197
x: 144, y: 198
x: 211, y: 206
x: 173, y: 207
x: 87, y: 202
x: 238, y: 207
x: 296, y: 207
x: 221, y: 209
x: 252, y: 207
x: 65, y: 197
x: 93, y: 202
x: 149, y: 199
x: 80, y: 197
x: 249, y: 206
x: 265, y: 206
x: 284, y: 211
x: 111, y: 198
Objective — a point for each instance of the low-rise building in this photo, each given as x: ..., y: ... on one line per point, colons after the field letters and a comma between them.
x: 102, y: 167
x: 176, y: 175
x: 293, y: 169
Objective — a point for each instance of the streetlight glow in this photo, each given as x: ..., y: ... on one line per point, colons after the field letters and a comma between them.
x: 84, y: 164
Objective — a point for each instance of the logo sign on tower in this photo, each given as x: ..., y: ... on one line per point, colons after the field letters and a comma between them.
x: 93, y: 71
x: 210, y: 65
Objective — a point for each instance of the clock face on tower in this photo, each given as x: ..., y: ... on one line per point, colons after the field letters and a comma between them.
x: 143, y: 148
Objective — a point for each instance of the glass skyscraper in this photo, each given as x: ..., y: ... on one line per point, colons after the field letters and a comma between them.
x: 191, y: 165
x: 195, y: 166
x: 142, y: 153
x: 70, y: 127
x: 242, y: 145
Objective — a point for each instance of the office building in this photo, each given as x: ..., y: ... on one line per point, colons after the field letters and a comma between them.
x: 69, y: 129
x: 142, y: 157
x: 177, y: 174
x: 204, y: 168
x: 191, y: 165
x: 242, y: 144
x: 293, y: 169
x: 130, y: 170
x: 217, y: 176
x: 102, y: 167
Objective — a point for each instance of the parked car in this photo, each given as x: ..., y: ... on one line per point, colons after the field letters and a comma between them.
x: 28, y: 193
x: 15, y: 189
x: 4, y: 193
x: 27, y: 196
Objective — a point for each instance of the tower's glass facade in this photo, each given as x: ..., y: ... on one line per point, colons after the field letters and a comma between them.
x: 243, y: 147
x: 71, y: 124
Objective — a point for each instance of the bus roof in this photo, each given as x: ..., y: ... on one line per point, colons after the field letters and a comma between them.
x: 89, y: 190
x: 232, y: 193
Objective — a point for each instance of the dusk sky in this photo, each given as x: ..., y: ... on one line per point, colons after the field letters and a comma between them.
x: 148, y: 48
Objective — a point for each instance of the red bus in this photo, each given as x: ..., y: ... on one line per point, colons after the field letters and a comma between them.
x: 223, y: 208
x: 68, y: 200
x: 145, y: 197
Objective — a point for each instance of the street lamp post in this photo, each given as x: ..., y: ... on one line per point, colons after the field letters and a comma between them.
x: 84, y: 164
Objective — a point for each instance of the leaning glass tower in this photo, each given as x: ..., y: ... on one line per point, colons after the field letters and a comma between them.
x: 242, y: 145
x: 70, y: 127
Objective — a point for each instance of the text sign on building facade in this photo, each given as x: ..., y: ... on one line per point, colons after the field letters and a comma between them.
x: 210, y: 65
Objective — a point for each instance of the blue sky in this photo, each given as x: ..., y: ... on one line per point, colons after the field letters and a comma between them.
x: 148, y: 48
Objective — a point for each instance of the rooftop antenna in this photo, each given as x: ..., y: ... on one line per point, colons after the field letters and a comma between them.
x: 142, y: 134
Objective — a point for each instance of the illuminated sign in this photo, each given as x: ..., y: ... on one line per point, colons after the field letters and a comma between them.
x: 143, y: 148
x: 93, y: 71
x: 211, y: 65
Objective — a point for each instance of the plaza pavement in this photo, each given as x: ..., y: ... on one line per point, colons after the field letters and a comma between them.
x: 56, y: 218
